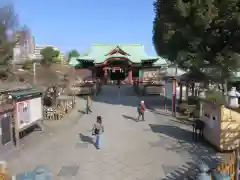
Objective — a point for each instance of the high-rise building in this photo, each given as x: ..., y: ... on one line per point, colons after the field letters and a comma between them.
x: 25, y: 45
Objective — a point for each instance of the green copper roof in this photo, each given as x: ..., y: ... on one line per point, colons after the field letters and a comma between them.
x: 23, y: 93
x: 136, y: 53
x: 160, y: 62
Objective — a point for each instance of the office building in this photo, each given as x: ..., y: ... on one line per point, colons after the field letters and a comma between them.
x: 25, y: 45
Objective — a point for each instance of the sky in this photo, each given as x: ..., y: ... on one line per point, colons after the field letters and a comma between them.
x: 77, y: 24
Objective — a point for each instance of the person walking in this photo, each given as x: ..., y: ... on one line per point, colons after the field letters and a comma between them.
x: 141, y: 110
x: 118, y: 83
x: 97, y: 130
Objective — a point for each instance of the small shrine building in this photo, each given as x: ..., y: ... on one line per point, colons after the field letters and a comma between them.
x: 120, y: 62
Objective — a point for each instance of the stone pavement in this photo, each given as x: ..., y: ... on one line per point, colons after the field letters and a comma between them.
x: 146, y: 150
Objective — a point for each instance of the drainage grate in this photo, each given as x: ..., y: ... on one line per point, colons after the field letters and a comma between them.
x: 68, y: 171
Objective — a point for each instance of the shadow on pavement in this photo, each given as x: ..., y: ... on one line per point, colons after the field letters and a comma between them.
x: 157, y: 102
x: 126, y: 96
x: 130, y: 118
x: 198, y: 151
x: 86, y: 139
x: 114, y: 100
x: 82, y: 111
x: 162, y: 112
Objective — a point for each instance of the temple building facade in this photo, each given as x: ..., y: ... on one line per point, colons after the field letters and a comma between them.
x: 126, y: 62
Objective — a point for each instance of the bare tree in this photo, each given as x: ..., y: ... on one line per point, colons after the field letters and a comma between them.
x: 8, y: 26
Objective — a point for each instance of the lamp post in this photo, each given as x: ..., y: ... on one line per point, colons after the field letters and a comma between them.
x: 34, y: 72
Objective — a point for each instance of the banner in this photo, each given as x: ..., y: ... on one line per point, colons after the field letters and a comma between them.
x: 168, y: 90
x: 23, y: 113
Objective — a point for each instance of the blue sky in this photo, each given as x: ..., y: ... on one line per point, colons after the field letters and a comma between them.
x: 77, y: 24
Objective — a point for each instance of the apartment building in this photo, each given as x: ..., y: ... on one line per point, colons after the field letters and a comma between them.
x: 25, y: 45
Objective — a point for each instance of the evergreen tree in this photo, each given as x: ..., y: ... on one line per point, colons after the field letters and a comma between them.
x: 49, y: 55
x: 193, y: 33
x: 73, y: 53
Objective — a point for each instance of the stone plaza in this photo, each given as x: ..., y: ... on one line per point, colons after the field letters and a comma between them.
x: 154, y: 149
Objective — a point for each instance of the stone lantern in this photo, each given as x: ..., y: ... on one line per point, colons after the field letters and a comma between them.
x: 203, y: 174
x: 233, y: 98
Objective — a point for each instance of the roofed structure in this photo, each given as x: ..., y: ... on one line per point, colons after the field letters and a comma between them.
x: 135, y: 53
x: 121, y: 62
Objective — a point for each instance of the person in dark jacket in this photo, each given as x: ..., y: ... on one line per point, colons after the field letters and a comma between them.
x: 141, y: 110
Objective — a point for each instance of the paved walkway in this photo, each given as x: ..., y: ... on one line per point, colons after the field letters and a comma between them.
x: 147, y: 150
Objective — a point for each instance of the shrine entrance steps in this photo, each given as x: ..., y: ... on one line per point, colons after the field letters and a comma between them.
x: 114, y: 91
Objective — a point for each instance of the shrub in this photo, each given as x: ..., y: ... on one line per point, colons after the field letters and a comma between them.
x: 215, y: 96
x: 193, y: 100
x: 27, y: 65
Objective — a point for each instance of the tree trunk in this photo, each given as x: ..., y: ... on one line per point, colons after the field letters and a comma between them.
x: 225, y: 89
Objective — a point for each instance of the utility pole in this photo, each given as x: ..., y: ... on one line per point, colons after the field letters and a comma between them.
x: 34, y: 73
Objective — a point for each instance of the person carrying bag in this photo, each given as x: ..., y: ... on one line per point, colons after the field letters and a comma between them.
x: 97, y: 130
x: 141, y: 110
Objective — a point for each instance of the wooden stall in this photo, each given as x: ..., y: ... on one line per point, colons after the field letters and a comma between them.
x: 28, y: 110
x: 64, y: 105
x: 152, y: 81
x: 66, y: 102
x: 222, y: 125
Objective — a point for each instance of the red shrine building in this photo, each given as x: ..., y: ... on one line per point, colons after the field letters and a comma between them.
x: 125, y: 62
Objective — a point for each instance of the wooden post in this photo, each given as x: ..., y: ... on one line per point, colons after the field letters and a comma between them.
x: 201, y: 109
x: 186, y: 93
x: 105, y: 75
x: 165, y: 96
x: 174, y: 83
x: 237, y: 164
x: 41, y: 120
x: 193, y: 91
x: 181, y: 93
x: 16, y: 126
x: 130, y: 76
x: 34, y: 73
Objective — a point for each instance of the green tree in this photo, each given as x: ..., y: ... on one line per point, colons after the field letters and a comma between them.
x: 49, y: 55
x: 85, y: 54
x: 195, y: 33
x: 73, y: 53
x: 27, y: 65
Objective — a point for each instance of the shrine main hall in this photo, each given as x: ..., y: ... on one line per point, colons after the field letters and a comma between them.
x: 124, y: 62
